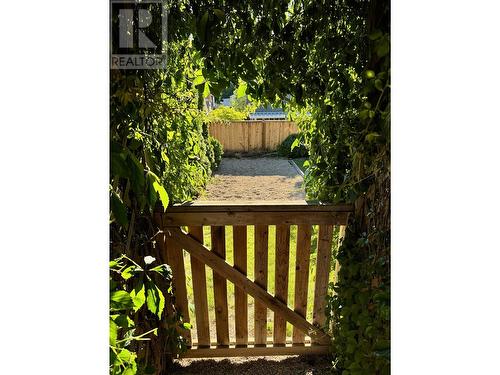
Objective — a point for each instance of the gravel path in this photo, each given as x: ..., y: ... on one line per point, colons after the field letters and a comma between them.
x: 255, y: 179
x: 277, y: 365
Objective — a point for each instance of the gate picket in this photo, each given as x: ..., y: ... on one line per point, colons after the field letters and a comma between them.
x: 175, y: 259
x: 260, y: 310
x: 220, y: 288
x: 281, y: 280
x: 200, y: 293
x: 301, y: 277
x: 322, y: 273
x: 240, y: 297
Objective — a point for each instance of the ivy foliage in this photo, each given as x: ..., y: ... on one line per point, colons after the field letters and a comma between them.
x: 135, y: 288
x: 160, y: 153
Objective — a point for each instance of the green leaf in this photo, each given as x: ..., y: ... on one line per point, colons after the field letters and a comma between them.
x: 206, y: 90
x: 128, y: 272
x: 162, y: 193
x: 120, y: 300
x: 219, y: 13
x: 129, y: 371
x: 138, y: 296
x: 382, y: 47
x: 155, y: 299
x: 128, y: 357
x: 295, y: 143
x: 137, y: 180
x: 123, y: 321
x: 187, y: 325
x: 165, y: 157
x: 198, y: 80
x: 118, y: 209
x: 113, y: 332
x: 119, y: 165
x: 164, y: 270
x: 152, y: 195
x: 370, y: 137
x: 379, y: 85
x: 242, y: 89
x: 369, y: 74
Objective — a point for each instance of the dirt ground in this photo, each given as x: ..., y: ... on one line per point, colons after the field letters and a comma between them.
x: 277, y: 365
x: 267, y: 178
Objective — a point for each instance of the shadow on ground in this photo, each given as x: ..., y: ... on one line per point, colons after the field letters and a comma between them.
x: 283, y: 365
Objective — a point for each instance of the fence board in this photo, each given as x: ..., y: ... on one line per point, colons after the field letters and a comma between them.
x: 220, y: 288
x: 322, y: 273
x: 240, y: 297
x: 200, y: 293
x: 175, y: 259
x: 301, y: 277
x: 260, y: 272
x: 281, y: 279
x: 244, y: 136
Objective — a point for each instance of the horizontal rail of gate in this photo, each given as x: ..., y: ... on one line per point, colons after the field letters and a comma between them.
x: 183, y: 230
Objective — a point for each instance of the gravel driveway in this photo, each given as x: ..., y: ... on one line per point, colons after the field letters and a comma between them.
x: 255, y: 179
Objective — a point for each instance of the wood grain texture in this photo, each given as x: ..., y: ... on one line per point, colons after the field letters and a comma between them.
x: 281, y: 280
x: 172, y: 218
x: 200, y: 292
x: 220, y: 287
x: 250, y: 350
x: 260, y: 266
x: 176, y: 261
x: 244, y: 136
x: 257, y: 206
x: 322, y: 273
x: 230, y: 273
x: 240, y: 297
x: 303, y: 255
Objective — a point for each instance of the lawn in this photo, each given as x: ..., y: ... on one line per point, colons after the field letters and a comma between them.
x: 250, y: 272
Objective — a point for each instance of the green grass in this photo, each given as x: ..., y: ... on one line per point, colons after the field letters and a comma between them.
x: 300, y: 164
x: 250, y: 273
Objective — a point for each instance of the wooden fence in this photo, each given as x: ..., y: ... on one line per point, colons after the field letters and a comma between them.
x: 308, y: 336
x: 252, y: 136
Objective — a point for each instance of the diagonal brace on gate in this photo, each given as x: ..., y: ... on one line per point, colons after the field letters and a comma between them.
x: 218, y: 264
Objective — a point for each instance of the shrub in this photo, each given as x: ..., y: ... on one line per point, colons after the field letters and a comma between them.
x: 218, y: 151
x: 224, y: 113
x: 299, y: 149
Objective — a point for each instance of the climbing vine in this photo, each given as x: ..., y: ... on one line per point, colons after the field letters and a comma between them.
x: 160, y: 153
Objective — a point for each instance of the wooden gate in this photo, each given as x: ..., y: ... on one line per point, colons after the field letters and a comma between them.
x: 183, y: 230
